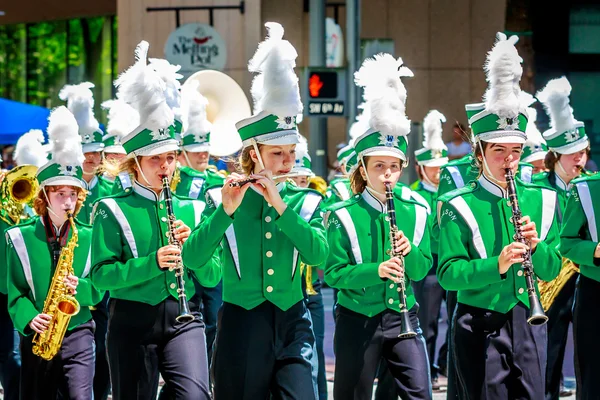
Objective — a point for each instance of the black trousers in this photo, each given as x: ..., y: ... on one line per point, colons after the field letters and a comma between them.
x: 210, y: 301
x: 144, y: 340
x: 361, y: 342
x: 317, y: 315
x: 499, y: 356
x: 102, y: 374
x: 69, y: 374
x: 429, y: 294
x: 586, y: 325
x: 447, y: 358
x: 560, y: 315
x: 10, y: 357
x: 264, y: 353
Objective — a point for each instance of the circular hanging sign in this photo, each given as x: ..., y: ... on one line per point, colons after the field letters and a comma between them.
x: 196, y: 47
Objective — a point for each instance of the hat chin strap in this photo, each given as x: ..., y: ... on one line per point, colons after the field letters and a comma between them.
x: 189, y: 164
x: 489, y: 174
x: 260, y: 161
x: 49, y: 207
x: 425, y: 177
x: 142, y: 173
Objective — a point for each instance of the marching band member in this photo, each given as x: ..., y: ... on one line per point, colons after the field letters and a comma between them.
x: 535, y: 148
x: 28, y: 152
x: 122, y: 119
x: 32, y: 256
x: 579, y: 243
x: 369, y: 313
x: 569, y: 150
x: 265, y: 227
x: 339, y: 187
x: 133, y: 250
x: 428, y: 292
x: 497, y: 353
x: 302, y: 175
x: 80, y: 101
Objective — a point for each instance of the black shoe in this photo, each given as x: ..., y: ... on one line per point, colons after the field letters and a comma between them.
x: 564, y: 392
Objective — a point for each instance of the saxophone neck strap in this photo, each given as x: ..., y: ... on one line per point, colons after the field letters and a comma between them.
x: 56, y: 243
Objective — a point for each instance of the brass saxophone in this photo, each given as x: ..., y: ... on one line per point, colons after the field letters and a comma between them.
x: 307, y: 271
x: 60, y: 305
x: 549, y: 290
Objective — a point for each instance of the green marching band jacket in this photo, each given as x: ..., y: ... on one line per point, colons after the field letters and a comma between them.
x: 581, y: 223
x: 553, y: 181
x: 193, y: 183
x: 128, y: 230
x: 3, y: 267
x: 261, y: 250
x: 474, y: 228
x: 339, y: 190
x: 98, y: 188
x: 358, y: 232
x: 30, y: 273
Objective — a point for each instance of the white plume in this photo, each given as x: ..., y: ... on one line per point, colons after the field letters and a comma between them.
x: 64, y: 137
x: 433, y: 131
x: 361, y: 124
x: 170, y: 75
x: 143, y: 88
x: 122, y: 118
x: 29, y: 149
x: 275, y: 89
x: 503, y: 69
x: 555, y: 98
x: 534, y: 136
x: 80, y: 101
x: 302, y: 148
x: 385, y: 93
x: 193, y: 107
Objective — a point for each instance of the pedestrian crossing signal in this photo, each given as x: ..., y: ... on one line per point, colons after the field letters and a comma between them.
x: 323, y: 85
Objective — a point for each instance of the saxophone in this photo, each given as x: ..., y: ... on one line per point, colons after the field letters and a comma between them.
x: 60, y: 305
x: 306, y: 270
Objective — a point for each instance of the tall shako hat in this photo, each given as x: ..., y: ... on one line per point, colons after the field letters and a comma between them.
x: 196, y: 127
x: 65, y: 166
x: 169, y: 73
x: 80, y: 101
x: 302, y: 166
x: 535, y: 147
x: 503, y: 118
x: 122, y: 119
x: 385, y: 97
x: 30, y: 150
x: 275, y: 93
x: 434, y: 152
x: 566, y: 135
x: 144, y: 90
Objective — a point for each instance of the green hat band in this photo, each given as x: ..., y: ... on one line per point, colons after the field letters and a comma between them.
x: 374, y: 141
x: 530, y: 150
x: 487, y: 126
x: 473, y: 109
x: 55, y: 174
x: 178, y: 126
x: 148, y: 138
x: 190, y: 139
x: 568, y: 140
x: 265, y: 126
x: 95, y: 137
x: 344, y: 153
x: 427, y: 154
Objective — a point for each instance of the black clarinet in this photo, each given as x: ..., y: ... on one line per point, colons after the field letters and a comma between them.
x: 536, y: 312
x: 184, y: 309
x: 242, y: 182
x: 406, y: 329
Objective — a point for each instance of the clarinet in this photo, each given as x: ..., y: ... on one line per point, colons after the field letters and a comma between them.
x: 536, y: 312
x: 184, y: 309
x: 406, y: 329
x: 242, y: 182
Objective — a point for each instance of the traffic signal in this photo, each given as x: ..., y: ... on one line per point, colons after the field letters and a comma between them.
x: 323, y: 85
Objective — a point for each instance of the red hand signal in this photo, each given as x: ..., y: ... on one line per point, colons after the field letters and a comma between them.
x: 315, y: 85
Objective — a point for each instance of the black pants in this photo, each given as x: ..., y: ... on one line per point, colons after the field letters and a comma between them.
x: 499, y: 356
x: 429, y: 294
x: 70, y: 373
x: 317, y: 314
x: 586, y: 325
x: 102, y: 374
x: 10, y: 358
x: 361, y: 342
x: 447, y: 358
x: 144, y: 340
x: 264, y: 351
x: 210, y: 301
x: 560, y: 315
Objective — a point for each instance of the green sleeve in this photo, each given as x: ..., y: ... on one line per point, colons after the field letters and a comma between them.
x: 546, y: 259
x: 209, y: 274
x: 457, y: 270
x: 446, y: 183
x: 572, y: 243
x: 200, y: 247
x: 87, y: 294
x: 418, y: 262
x: 340, y: 270
x: 20, y: 307
x: 308, y: 237
x: 3, y: 266
x: 109, y: 271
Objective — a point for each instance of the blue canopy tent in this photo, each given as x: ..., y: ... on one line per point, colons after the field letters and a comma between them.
x: 17, y: 118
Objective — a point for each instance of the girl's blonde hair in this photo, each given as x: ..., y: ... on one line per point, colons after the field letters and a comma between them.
x: 245, y: 163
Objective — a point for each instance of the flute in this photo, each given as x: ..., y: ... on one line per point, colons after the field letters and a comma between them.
x: 242, y: 182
